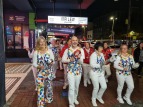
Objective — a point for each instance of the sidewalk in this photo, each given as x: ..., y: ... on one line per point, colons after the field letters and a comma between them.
x: 15, y: 73
x: 25, y: 95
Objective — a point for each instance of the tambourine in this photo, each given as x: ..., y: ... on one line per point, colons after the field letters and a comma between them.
x: 49, y: 62
x: 76, y: 53
x: 136, y: 65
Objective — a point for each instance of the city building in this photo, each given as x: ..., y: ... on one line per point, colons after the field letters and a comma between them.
x: 102, y: 26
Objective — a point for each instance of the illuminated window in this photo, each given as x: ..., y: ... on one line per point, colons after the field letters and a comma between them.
x: 17, y: 35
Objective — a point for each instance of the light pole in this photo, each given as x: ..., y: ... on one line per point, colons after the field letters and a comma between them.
x: 112, y: 18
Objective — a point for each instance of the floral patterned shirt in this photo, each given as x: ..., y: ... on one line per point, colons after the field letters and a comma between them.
x: 41, y: 60
x: 55, y: 52
x: 75, y: 66
x: 95, y: 61
x: 123, y: 62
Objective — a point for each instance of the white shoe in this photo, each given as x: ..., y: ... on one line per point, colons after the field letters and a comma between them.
x: 94, y: 103
x: 85, y: 84
x: 106, y: 80
x: 120, y: 100
x: 100, y: 100
x: 127, y: 100
x: 71, y: 105
x: 76, y: 102
x: 54, y: 76
x: 89, y: 81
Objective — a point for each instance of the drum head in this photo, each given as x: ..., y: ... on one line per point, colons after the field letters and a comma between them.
x: 76, y: 53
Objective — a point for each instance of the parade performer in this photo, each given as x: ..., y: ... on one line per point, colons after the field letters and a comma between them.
x: 54, y: 49
x: 74, y: 55
x: 65, y: 64
x: 97, y: 63
x: 86, y: 67
x: 123, y: 65
x: 43, y: 60
x: 138, y: 57
x: 107, y: 54
x: 33, y: 68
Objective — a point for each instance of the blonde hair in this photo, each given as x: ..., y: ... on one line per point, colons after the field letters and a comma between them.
x: 120, y: 50
x: 38, y: 43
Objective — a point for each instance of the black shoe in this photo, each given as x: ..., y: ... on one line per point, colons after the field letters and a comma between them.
x: 139, y: 76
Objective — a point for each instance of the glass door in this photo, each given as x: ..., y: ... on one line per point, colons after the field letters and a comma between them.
x: 17, y: 36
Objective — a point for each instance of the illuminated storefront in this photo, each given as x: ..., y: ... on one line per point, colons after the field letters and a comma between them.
x: 17, y: 34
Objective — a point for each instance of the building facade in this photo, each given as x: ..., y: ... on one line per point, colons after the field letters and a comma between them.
x: 102, y: 26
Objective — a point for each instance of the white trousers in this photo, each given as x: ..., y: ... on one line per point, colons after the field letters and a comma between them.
x: 107, y: 70
x: 86, y: 69
x: 98, y: 78
x: 34, y: 74
x: 65, y: 74
x: 54, y: 68
x: 74, y: 81
x: 121, y: 79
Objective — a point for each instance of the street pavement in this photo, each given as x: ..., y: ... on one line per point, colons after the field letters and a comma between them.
x: 26, y: 96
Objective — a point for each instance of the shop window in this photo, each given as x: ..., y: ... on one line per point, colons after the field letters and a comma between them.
x: 9, y: 32
x: 25, y: 36
x: 10, y: 42
x: 18, y: 44
x: 17, y: 36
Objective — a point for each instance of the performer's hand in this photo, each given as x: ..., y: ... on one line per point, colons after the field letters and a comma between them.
x: 87, y: 57
x: 27, y: 49
x: 51, y: 63
x: 72, y: 59
x: 125, y: 69
x: 79, y: 56
x: 43, y: 67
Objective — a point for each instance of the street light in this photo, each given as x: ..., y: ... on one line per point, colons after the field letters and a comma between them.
x: 113, y: 18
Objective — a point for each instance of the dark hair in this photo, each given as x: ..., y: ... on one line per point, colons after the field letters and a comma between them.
x: 104, y: 43
x: 61, y: 42
x: 97, y: 45
x: 68, y: 39
x: 80, y: 44
x: 57, y: 40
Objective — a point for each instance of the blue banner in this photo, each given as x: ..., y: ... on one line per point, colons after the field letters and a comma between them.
x: 61, y: 30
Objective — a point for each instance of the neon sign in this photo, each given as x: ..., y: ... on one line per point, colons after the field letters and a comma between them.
x: 7, y: 28
x: 17, y: 28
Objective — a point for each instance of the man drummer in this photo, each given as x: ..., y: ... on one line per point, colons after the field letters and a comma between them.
x: 74, y: 69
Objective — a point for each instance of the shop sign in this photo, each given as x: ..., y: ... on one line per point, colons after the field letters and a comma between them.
x: 60, y: 30
x: 67, y: 20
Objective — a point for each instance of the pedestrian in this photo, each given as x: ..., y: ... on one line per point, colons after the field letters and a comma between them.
x: 97, y: 63
x: 42, y: 56
x: 65, y: 65
x: 138, y: 56
x: 74, y: 55
x: 107, y: 54
x: 86, y: 67
x: 54, y: 49
x: 123, y: 65
x: 33, y: 68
